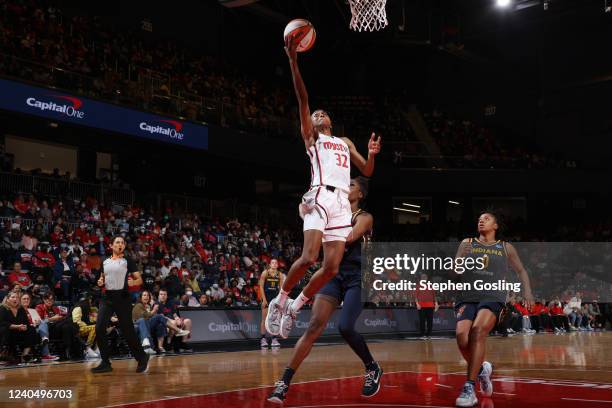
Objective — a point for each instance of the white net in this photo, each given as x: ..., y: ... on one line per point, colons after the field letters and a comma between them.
x: 368, y: 15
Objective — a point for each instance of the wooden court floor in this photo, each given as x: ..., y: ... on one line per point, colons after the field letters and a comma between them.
x: 537, y: 370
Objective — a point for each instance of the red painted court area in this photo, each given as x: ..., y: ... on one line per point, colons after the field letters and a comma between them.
x: 408, y: 389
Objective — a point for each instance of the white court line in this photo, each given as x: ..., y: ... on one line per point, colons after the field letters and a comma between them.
x: 312, y: 381
x: 370, y: 405
x: 255, y: 388
x: 443, y: 385
x: 586, y: 400
x: 503, y: 393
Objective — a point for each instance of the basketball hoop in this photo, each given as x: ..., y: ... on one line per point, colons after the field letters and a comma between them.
x: 368, y: 15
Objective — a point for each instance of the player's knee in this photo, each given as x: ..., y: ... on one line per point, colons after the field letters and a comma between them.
x: 307, y: 259
x: 462, y: 340
x: 315, y: 328
x: 330, y: 269
x: 478, y: 333
x: 346, y: 331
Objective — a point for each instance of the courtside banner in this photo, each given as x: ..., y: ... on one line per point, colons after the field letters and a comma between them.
x: 242, y: 324
x: 57, y: 105
x: 549, y: 273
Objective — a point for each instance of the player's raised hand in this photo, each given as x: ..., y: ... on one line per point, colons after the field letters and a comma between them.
x: 291, y: 47
x: 374, y: 144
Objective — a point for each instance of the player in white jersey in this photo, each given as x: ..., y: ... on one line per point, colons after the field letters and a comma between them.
x: 325, y: 207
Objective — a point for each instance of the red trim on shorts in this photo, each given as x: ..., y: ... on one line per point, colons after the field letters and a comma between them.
x: 319, y: 162
x: 320, y: 205
x: 311, y: 168
x: 339, y: 227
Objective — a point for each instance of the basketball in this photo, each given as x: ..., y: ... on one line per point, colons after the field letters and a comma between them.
x: 302, y: 32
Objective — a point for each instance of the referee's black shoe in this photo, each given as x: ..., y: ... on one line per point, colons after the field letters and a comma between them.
x: 143, y: 365
x: 371, y: 384
x: 104, y: 367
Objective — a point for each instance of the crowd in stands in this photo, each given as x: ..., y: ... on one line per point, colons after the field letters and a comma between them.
x: 465, y: 144
x: 52, y: 251
x: 93, y: 58
x: 97, y: 59
x: 61, y: 245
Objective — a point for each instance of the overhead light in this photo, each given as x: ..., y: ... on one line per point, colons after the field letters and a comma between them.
x: 411, y: 205
x: 407, y: 210
x: 453, y: 202
x: 503, y: 3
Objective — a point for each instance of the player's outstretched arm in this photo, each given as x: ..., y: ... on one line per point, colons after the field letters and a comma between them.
x: 366, y: 167
x: 363, y: 224
x: 308, y: 132
x: 517, y: 266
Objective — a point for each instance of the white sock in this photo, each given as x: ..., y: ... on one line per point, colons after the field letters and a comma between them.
x: 299, y: 302
x: 146, y: 343
x: 282, y: 297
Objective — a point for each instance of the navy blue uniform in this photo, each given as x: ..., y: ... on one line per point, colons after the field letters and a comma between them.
x: 496, y: 268
x: 271, y: 286
x: 349, y: 274
x: 346, y: 287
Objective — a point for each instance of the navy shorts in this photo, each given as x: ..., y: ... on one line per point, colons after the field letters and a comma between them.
x: 343, y: 281
x: 469, y: 310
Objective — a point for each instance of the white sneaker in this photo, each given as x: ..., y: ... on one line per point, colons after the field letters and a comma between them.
x: 182, y: 333
x: 484, y: 379
x: 275, y: 342
x: 149, y: 350
x: 287, y: 319
x: 263, y: 343
x: 90, y: 354
x: 467, y: 398
x: 274, y: 317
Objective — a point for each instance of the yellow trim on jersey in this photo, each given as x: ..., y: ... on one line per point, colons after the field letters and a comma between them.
x: 487, y: 244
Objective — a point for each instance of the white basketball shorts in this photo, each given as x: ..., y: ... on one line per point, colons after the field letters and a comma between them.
x: 327, y: 211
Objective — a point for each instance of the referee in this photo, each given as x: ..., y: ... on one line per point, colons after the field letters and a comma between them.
x: 116, y: 299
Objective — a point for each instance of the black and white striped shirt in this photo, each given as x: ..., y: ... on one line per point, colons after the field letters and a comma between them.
x: 116, y: 272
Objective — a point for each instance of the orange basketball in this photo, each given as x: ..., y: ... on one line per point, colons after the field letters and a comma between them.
x: 302, y: 32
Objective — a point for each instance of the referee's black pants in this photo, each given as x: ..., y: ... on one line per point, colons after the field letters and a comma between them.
x: 119, y: 303
x: 426, y: 319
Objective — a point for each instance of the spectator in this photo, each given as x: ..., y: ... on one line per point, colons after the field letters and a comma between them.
x: 559, y: 319
x: 149, y: 324
x: 41, y: 327
x: 15, y: 328
x: 169, y: 309
x: 83, y: 317
x: 573, y: 312
x: 60, y: 327
x: 598, y: 318
x: 63, y: 274
x: 204, y: 300
x: 173, y: 283
x: 19, y: 277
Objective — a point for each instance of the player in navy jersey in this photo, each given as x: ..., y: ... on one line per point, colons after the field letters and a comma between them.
x: 479, y: 311
x: 325, y: 207
x: 270, y: 282
x: 344, y: 288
